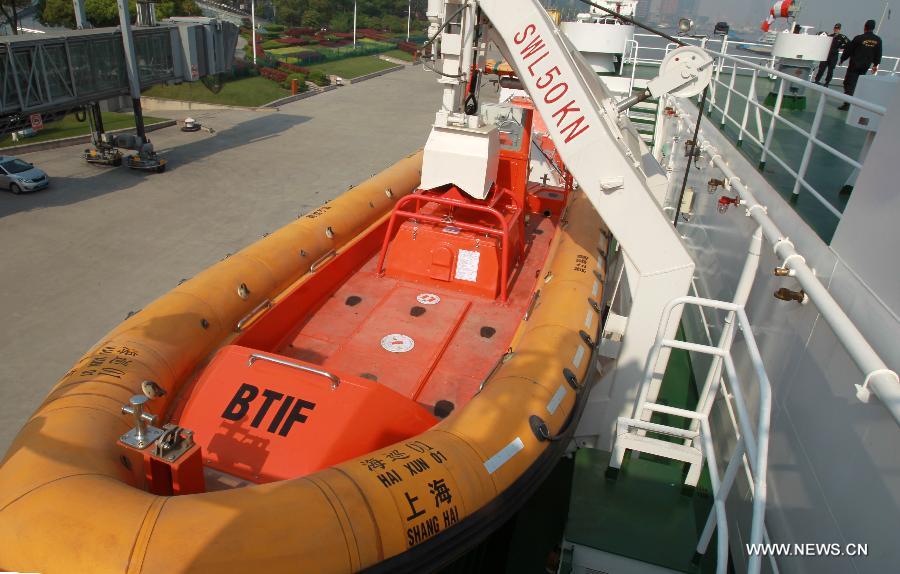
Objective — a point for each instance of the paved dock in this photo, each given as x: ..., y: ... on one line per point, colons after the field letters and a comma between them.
x: 101, y: 242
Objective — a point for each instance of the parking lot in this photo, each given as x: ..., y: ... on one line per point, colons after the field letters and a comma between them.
x: 101, y: 242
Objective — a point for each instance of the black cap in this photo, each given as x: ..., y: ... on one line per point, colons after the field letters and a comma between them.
x: 838, y: 25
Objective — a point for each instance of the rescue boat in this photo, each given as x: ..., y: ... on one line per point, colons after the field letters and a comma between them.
x: 376, y: 385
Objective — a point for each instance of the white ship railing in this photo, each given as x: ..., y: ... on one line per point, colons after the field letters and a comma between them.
x: 752, y: 442
x: 878, y: 376
x: 767, y: 121
x: 890, y: 65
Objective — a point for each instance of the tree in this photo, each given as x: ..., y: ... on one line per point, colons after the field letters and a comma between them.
x: 9, y: 12
x: 312, y: 18
x: 102, y: 13
x: 170, y: 8
x: 341, y: 22
x: 290, y: 11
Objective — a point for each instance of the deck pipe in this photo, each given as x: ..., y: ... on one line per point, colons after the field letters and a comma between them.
x: 883, y: 380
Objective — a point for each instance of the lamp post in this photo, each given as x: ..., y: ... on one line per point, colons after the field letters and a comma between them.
x: 253, y: 28
x: 354, y: 24
x: 408, y: 19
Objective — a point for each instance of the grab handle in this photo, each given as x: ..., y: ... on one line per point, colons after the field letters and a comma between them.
x: 321, y: 261
x: 335, y: 381
x: 248, y: 318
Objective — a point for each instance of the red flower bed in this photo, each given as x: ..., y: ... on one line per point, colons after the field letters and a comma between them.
x: 408, y: 47
x: 291, y: 68
x: 293, y: 41
x: 372, y: 35
x: 297, y: 32
x: 273, y: 74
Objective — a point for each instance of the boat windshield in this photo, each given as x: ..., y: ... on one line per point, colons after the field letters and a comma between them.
x: 15, y: 166
x: 509, y: 119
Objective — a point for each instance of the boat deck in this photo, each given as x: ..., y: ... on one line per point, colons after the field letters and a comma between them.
x: 456, y: 341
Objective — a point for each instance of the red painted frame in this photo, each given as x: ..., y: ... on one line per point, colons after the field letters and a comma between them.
x: 502, y: 233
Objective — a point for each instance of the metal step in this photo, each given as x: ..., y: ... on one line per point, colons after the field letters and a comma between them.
x: 627, y: 438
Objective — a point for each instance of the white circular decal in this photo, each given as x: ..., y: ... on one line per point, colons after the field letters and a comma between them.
x: 428, y: 299
x: 397, y: 343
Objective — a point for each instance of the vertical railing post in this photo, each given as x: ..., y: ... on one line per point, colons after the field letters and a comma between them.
x: 720, y: 61
x: 634, y: 64
x: 807, y: 153
x: 750, y: 94
x: 775, y: 111
x: 728, y: 95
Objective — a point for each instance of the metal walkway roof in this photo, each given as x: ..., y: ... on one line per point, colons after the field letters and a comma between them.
x: 59, y: 71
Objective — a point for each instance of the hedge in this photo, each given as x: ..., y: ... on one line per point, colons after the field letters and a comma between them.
x: 301, y: 82
x: 292, y: 68
x: 273, y: 74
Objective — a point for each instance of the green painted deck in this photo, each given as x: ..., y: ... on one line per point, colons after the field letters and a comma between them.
x: 826, y: 174
x: 644, y: 513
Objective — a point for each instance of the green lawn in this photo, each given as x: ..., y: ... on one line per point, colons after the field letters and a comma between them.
x: 400, y: 55
x: 353, y: 67
x: 69, y: 127
x: 247, y: 92
x: 290, y: 50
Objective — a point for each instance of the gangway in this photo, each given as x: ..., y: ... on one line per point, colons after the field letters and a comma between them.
x: 58, y: 72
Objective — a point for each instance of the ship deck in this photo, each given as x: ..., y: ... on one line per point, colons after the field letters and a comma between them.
x: 824, y: 174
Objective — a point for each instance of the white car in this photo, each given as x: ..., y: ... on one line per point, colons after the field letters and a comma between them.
x: 18, y: 176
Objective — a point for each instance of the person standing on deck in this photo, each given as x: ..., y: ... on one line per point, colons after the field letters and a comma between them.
x: 863, y: 52
x: 838, y: 42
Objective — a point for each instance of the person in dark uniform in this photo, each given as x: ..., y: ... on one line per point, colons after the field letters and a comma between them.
x: 838, y: 43
x: 864, y: 52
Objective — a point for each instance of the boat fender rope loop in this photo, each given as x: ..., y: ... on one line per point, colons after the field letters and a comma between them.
x: 539, y: 428
x: 571, y: 378
x: 587, y: 339
x: 594, y: 305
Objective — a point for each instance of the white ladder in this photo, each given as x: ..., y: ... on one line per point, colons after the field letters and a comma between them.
x: 697, y: 445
